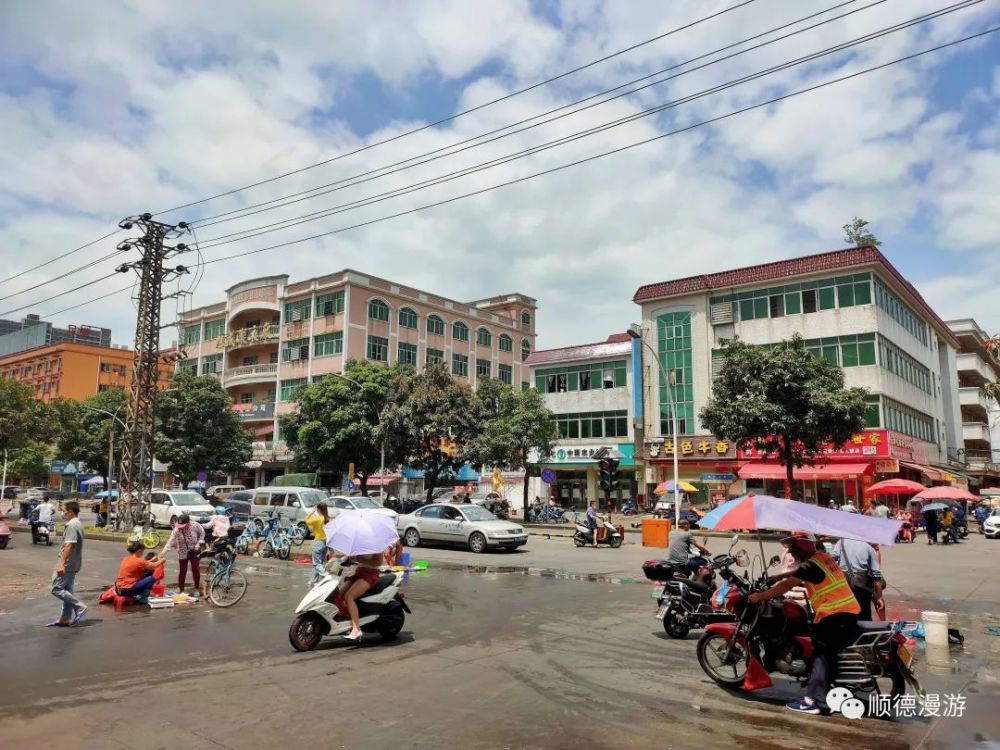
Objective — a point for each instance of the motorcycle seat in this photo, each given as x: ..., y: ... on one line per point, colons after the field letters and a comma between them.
x: 872, y: 626
x: 384, y: 582
x: 698, y: 586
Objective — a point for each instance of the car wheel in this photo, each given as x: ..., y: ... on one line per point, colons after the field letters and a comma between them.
x: 411, y: 538
x: 477, y: 543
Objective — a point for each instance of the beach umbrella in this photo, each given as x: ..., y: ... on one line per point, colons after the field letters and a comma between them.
x: 667, y: 488
x: 895, y: 487
x: 360, y: 532
x: 758, y: 512
x: 935, y: 506
x: 945, y: 493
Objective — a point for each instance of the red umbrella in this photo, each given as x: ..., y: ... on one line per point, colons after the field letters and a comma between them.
x: 945, y: 493
x: 895, y: 487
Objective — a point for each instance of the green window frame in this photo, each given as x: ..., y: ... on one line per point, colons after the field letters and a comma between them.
x: 302, y: 305
x: 435, y: 325
x: 192, y: 334
x: 827, y: 298
x: 506, y: 374
x: 214, y: 329
x: 505, y: 343
x: 289, y: 387
x: 301, y: 346
x: 378, y: 348
x: 188, y: 366
x: 406, y: 354
x: 335, y: 308
x: 459, y: 331
x: 675, y: 355
x: 484, y: 337
x: 460, y: 365
x: 208, y: 364
x: 328, y: 344
x: 586, y: 377
x: 434, y: 356
x: 378, y: 310
x: 525, y: 349
x: 484, y: 368
x: 408, y: 318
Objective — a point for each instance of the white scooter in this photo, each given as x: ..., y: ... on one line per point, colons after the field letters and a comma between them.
x: 381, y: 611
x: 583, y: 536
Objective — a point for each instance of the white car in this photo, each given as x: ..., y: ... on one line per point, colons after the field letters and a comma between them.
x: 167, y: 505
x: 991, y: 526
x: 339, y: 503
x: 470, y: 525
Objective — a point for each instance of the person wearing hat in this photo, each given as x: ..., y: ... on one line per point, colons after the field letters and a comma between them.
x: 835, y: 614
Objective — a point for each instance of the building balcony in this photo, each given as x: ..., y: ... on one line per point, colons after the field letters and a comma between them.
x: 976, y: 434
x: 269, y: 451
x: 974, y: 369
x: 974, y: 402
x: 251, y: 374
x: 243, y: 337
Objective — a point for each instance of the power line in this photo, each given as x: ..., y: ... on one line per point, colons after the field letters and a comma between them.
x: 90, y: 301
x: 319, y: 190
x: 464, y: 112
x: 59, y: 257
x: 57, y: 296
x: 595, y: 157
x: 440, y: 179
x: 84, y: 267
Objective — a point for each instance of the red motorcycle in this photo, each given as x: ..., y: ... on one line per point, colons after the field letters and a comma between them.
x: 773, y: 637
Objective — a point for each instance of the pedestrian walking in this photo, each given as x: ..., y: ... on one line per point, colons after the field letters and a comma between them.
x: 186, y: 538
x: 931, y: 524
x: 881, y: 511
x: 70, y: 562
x: 316, y: 520
x: 858, y: 561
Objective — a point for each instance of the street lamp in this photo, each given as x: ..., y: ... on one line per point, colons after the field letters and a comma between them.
x: 381, y: 471
x: 635, y: 332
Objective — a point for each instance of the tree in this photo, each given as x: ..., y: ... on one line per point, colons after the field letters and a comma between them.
x: 336, y: 423
x: 22, y: 418
x: 785, y: 400
x: 856, y: 234
x: 197, y: 429
x: 85, y: 427
x: 433, y: 421
x: 516, y: 422
x: 28, y: 461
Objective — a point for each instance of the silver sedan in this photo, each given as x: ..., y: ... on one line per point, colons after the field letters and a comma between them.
x: 469, y: 525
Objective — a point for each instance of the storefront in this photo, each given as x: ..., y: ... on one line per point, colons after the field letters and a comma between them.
x: 575, y: 480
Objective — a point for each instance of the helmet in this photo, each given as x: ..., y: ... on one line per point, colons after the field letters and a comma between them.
x: 221, y: 511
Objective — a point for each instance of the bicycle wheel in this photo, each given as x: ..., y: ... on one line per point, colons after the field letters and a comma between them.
x: 227, y: 588
x: 150, y: 539
x: 296, y: 535
x: 283, y: 550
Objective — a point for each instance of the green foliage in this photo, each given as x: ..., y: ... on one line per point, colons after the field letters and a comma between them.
x: 783, y: 399
x: 338, y: 423
x: 27, y: 462
x: 856, y: 234
x: 433, y: 421
x: 23, y: 419
x: 84, y: 429
x: 197, y: 429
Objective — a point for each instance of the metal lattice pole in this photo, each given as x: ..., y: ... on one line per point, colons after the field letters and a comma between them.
x: 136, y: 467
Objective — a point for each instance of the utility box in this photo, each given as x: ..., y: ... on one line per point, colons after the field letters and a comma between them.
x: 655, y: 532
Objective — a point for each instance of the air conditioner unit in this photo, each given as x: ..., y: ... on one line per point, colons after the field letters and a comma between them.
x: 293, y: 354
x: 720, y: 313
x: 296, y: 315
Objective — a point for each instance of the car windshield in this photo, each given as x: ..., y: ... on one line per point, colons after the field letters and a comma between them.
x: 310, y: 498
x: 364, y: 503
x: 475, y: 513
x: 187, y: 498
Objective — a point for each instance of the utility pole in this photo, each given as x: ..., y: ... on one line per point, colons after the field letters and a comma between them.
x: 136, y: 468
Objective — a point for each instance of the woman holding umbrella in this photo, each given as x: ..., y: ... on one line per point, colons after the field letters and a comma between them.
x: 356, y: 586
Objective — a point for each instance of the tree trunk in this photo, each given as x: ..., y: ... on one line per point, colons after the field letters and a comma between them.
x: 430, y: 482
x: 789, y: 469
x: 527, y: 474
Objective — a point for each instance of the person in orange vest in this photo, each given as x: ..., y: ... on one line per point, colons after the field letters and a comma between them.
x: 835, y: 617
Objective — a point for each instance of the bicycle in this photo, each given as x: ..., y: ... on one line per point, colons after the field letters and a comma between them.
x: 246, y: 539
x: 228, y: 585
x: 275, y: 541
x: 146, y: 534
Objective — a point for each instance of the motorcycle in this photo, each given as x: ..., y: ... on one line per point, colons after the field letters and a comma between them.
x: 41, y: 532
x: 629, y: 508
x: 612, y: 536
x: 906, y: 533
x: 773, y: 636
x: 4, y: 532
x: 381, y: 610
x: 683, y: 602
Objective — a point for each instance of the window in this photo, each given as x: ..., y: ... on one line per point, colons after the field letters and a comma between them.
x: 296, y: 311
x: 898, y: 362
x: 290, y: 387
x: 674, y: 348
x: 526, y: 320
x: 484, y: 337
x: 214, y: 329
x: 582, y: 377
x: 805, y: 297
x: 435, y: 325
x: 294, y: 350
x: 483, y: 368
x: 212, y: 364
x: 407, y: 354
x: 251, y: 360
x: 191, y: 335
x: 506, y: 373
x: 328, y: 343
x: 378, y: 310
x: 435, y: 356
x: 776, y: 304
x: 505, y: 343
x: 460, y: 365
x: 901, y: 313
x: 105, y: 367
x: 525, y: 349
x: 872, y: 413
x: 525, y: 385
x: 407, y: 318
x: 100, y: 388
x: 460, y: 331
x: 272, y: 358
x: 378, y: 349
x: 247, y: 397
x: 599, y: 424
x: 189, y: 366
x: 330, y: 304
x: 901, y: 418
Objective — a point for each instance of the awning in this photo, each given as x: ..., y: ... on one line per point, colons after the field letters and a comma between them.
x: 264, y: 431
x: 828, y: 471
x: 932, y: 475
x: 376, y: 481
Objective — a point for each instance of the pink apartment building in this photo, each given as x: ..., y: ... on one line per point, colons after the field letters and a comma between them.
x: 270, y: 337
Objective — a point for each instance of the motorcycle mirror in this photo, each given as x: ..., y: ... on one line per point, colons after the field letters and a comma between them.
x: 736, y: 538
x: 773, y: 561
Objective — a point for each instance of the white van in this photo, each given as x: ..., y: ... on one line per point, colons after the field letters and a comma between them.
x: 222, y: 491
x: 294, y: 504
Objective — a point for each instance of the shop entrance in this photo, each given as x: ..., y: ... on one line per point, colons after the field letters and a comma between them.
x: 570, y: 489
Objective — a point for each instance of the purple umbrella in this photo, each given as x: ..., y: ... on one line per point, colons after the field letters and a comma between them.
x: 754, y: 512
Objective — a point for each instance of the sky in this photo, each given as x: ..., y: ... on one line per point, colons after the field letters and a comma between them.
x: 123, y: 107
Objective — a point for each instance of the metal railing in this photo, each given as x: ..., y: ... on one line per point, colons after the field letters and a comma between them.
x: 268, y: 370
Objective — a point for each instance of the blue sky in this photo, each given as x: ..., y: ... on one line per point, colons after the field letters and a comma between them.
x: 132, y: 107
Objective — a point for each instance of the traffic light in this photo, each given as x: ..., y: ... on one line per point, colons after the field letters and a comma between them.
x: 608, y: 468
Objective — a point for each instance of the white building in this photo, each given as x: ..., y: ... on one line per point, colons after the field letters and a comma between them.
x: 851, y: 306
x: 591, y: 390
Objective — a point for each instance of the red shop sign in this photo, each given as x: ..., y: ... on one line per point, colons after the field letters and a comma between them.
x: 867, y: 444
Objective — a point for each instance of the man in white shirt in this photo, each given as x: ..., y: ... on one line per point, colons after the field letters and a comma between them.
x: 46, y: 512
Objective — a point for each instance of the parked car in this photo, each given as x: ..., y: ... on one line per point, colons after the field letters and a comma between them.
x: 340, y: 503
x: 469, y: 525
x: 991, y: 526
x: 10, y: 492
x: 294, y: 504
x: 166, y: 505
x: 222, y: 491
x: 238, y: 505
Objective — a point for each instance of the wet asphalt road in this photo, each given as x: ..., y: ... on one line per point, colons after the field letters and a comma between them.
x: 487, y: 660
